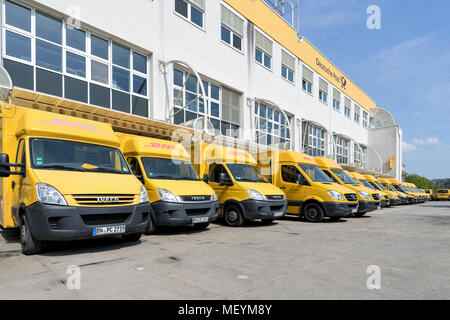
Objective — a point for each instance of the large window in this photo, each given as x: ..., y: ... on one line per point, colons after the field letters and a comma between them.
x: 357, y: 114
x: 314, y: 141
x: 43, y: 53
x: 192, y: 10
x: 307, y: 80
x: 287, y: 66
x: 232, y: 29
x: 365, y: 119
x: 224, y: 103
x: 341, y: 150
x: 271, y: 125
x: 336, y: 99
x: 359, y: 155
x: 323, y: 90
x: 347, y: 107
x: 263, y: 50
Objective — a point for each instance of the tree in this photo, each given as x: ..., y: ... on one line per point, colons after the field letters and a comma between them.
x: 419, y: 181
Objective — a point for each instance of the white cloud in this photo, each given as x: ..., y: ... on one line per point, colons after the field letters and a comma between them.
x: 427, y: 141
x: 407, y: 147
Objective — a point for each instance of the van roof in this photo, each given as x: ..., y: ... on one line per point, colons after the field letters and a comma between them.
x: 151, y: 147
x: 327, y: 163
x: 358, y: 176
x: 369, y: 177
x: 46, y: 124
x: 287, y: 156
x: 223, y: 154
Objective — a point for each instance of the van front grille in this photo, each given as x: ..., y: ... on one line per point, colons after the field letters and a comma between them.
x: 103, y: 199
x: 376, y: 196
x: 351, y: 197
x: 104, y: 219
x: 275, y: 197
x: 276, y: 208
x: 196, y: 198
x: 197, y: 212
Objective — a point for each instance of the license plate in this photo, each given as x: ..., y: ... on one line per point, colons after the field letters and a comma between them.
x: 354, y: 210
x: 278, y: 214
x: 99, y: 231
x: 200, y: 219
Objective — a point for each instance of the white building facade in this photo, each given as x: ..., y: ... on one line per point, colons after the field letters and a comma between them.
x: 145, y: 58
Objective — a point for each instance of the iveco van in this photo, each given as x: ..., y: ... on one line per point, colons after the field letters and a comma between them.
x: 394, y: 199
x: 310, y: 192
x: 177, y: 194
x: 68, y: 180
x: 385, y: 202
x: 412, y: 198
x: 387, y: 184
x: 243, y: 192
x: 368, y: 200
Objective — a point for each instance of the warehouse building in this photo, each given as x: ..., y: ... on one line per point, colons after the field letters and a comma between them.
x: 232, y: 68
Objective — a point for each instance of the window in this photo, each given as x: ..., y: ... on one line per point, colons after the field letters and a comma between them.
x: 232, y: 29
x: 314, y: 141
x: 271, y: 125
x: 347, y: 107
x: 336, y: 99
x: 45, y: 54
x: 263, y: 50
x: 224, y: 103
x: 192, y: 10
x: 323, y: 90
x: 290, y: 174
x: 341, y: 150
x: 307, y: 80
x: 136, y: 169
x: 214, y: 172
x: 359, y: 155
x: 287, y: 66
x: 365, y: 120
x: 357, y: 114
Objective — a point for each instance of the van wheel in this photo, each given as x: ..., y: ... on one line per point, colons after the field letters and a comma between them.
x: 30, y: 245
x: 151, y: 227
x: 201, y: 226
x: 133, y: 237
x: 313, y: 213
x: 233, y: 216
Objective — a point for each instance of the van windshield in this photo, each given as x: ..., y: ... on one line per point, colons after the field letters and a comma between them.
x: 314, y: 173
x: 64, y: 155
x: 169, y: 169
x: 380, y: 185
x: 345, y: 178
x: 246, y: 173
x: 442, y: 191
x: 367, y: 184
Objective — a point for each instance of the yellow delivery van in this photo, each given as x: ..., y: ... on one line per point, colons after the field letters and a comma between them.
x: 368, y: 200
x: 385, y: 202
x: 412, y: 198
x: 442, y: 194
x: 411, y: 189
x: 394, y: 198
x: 243, y: 192
x: 65, y: 178
x: 177, y: 194
x: 310, y: 192
x: 387, y: 184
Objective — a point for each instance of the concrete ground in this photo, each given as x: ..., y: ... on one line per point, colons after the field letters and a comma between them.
x: 290, y: 259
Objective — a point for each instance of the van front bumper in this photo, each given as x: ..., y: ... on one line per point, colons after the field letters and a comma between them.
x: 64, y: 223
x: 385, y: 203
x: 396, y: 202
x: 367, y: 206
x: 181, y: 214
x: 262, y: 209
x: 339, y: 209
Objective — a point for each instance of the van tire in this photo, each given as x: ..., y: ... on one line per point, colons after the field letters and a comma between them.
x: 151, y: 227
x: 313, y: 212
x: 201, y: 226
x: 30, y: 245
x: 233, y: 216
x: 133, y: 237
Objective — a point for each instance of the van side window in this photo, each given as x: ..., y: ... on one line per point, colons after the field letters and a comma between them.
x: 330, y: 175
x: 215, y: 170
x: 20, y: 154
x: 289, y: 174
x: 135, y: 168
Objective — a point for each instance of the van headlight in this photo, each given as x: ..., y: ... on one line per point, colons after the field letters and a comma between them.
x: 215, y: 198
x: 336, y: 195
x: 364, y: 195
x: 47, y: 194
x: 255, y: 195
x: 143, y: 197
x: 166, y: 195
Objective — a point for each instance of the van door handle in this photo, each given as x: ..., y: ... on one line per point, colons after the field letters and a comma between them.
x: 13, y: 185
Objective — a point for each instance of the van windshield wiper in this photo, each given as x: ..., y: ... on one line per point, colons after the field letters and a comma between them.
x: 107, y: 170
x: 60, y: 166
x: 162, y: 176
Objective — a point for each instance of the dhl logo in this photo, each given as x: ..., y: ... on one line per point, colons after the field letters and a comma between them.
x: 162, y: 146
x: 237, y: 153
x: 78, y: 125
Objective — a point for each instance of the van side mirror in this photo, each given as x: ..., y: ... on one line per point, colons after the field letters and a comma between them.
x: 5, y: 168
x: 205, y: 178
x: 223, y: 180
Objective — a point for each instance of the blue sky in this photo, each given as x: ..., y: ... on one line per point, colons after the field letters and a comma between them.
x: 404, y: 67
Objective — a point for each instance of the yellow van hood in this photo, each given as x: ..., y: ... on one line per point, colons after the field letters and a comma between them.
x: 360, y: 188
x: 336, y: 187
x: 74, y: 182
x: 183, y: 187
x: 266, y: 189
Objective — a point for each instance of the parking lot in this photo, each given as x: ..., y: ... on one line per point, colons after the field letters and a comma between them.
x: 290, y: 259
